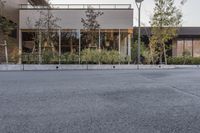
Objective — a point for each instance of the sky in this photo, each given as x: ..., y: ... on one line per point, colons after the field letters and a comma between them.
x: 190, y: 10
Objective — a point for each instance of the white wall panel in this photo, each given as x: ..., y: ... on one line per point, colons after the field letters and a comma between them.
x: 71, y: 19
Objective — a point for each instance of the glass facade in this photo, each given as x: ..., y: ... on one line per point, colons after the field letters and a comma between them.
x: 69, y: 41
x: 90, y: 39
x: 48, y: 47
x: 38, y: 46
x: 29, y: 42
x: 30, y: 47
x: 186, y: 46
x: 110, y: 39
x: 124, y: 43
x: 68, y: 36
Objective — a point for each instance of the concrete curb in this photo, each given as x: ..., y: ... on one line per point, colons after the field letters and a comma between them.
x: 91, y: 67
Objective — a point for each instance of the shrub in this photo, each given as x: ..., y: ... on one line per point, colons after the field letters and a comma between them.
x: 110, y: 57
x: 115, y: 57
x: 134, y: 50
x: 29, y: 58
x: 196, y: 61
x: 104, y: 58
x: 90, y: 56
x: 13, y: 55
x: 184, y: 60
x: 48, y: 57
x: 70, y: 58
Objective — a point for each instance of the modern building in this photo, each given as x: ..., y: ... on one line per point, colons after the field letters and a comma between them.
x: 114, y: 33
x: 64, y: 25
x: 11, y: 8
x: 10, y: 11
x: 186, y: 42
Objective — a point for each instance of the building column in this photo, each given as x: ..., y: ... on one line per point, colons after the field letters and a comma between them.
x: 125, y: 47
x: 20, y: 47
x: 129, y: 44
x: 59, y: 45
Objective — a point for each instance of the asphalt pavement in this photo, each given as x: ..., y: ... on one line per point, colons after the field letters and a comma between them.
x: 107, y: 101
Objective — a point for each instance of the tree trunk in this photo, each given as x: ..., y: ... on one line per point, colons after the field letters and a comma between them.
x: 151, y: 54
x: 71, y: 45
x: 161, y: 55
x: 165, y: 54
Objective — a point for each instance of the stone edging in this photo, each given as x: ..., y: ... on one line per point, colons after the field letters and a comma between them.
x: 90, y: 67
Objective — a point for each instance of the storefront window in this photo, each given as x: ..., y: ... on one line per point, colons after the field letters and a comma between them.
x: 29, y: 42
x: 124, y: 43
x: 89, y: 39
x: 110, y: 39
x: 30, y: 47
x: 50, y: 47
x: 70, y: 41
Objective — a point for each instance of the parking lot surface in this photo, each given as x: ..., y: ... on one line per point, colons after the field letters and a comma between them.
x: 118, y: 101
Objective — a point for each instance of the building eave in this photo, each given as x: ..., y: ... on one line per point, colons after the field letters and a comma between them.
x: 182, y: 31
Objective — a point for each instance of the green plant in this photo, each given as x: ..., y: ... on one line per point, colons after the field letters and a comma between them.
x: 110, y: 57
x: 105, y: 59
x: 90, y: 56
x: 165, y: 22
x: 184, y: 60
x: 115, y: 56
x: 71, y: 58
x: 14, y: 55
x: 29, y: 58
x: 48, y: 57
x: 147, y: 56
x: 134, y: 50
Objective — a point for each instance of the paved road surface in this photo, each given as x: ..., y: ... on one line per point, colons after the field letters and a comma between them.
x: 125, y: 101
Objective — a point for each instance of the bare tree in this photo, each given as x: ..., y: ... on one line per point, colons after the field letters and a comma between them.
x: 47, y: 24
x: 91, y: 25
